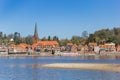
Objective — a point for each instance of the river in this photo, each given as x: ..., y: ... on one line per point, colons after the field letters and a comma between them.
x: 24, y: 68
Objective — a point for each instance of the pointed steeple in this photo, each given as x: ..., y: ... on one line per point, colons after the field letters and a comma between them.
x: 36, y: 38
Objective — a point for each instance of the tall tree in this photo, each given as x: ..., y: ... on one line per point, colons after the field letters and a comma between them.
x: 17, y: 39
x: 1, y: 35
x: 91, y: 38
x: 29, y: 40
x: 49, y: 38
x: 55, y: 38
x: 84, y: 34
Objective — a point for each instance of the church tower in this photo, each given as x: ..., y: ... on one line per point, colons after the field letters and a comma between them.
x: 35, y: 37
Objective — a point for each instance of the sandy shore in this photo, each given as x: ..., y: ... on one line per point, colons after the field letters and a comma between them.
x: 84, y: 66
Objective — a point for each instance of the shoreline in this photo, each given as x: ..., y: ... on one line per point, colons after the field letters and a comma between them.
x: 84, y: 66
x: 47, y: 54
x: 77, y: 66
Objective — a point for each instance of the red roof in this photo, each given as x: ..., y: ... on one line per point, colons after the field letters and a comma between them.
x: 45, y: 43
x: 92, y: 44
x: 69, y: 44
x: 23, y: 45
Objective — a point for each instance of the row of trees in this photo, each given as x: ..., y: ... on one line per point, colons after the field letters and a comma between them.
x: 105, y: 36
x: 100, y: 36
x: 14, y: 38
x: 17, y: 39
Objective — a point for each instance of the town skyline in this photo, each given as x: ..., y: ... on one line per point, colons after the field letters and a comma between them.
x: 63, y: 18
x: 35, y: 29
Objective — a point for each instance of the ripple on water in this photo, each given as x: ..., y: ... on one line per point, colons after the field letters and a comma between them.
x: 20, y: 69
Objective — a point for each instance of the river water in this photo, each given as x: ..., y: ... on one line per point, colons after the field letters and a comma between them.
x: 25, y: 68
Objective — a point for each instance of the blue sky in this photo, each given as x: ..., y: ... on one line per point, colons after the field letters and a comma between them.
x: 63, y: 18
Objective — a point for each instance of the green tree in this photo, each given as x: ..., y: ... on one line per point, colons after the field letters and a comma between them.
x: 84, y: 34
x: 91, y: 38
x: 44, y: 39
x: 76, y: 40
x: 116, y: 31
x: 64, y: 42
x: 49, y: 38
x: 55, y: 38
x: 108, y: 35
x: 1, y: 37
x: 29, y: 40
x: 1, y: 34
x: 17, y: 39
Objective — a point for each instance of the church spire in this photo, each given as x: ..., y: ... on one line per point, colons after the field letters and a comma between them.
x: 35, y: 32
x: 36, y: 38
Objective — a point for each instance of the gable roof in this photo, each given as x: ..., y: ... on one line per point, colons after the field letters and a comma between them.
x: 45, y: 43
x: 23, y: 45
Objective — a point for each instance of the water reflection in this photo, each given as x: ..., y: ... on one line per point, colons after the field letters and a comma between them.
x: 26, y: 68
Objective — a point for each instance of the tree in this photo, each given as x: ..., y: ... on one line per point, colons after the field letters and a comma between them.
x: 64, y: 42
x: 1, y: 35
x: 84, y: 34
x: 116, y: 31
x: 49, y: 38
x: 106, y: 35
x: 17, y: 38
x: 76, y: 40
x: 10, y: 36
x: 29, y: 40
x: 4, y: 40
x: 55, y: 38
x: 91, y: 38
x: 43, y: 39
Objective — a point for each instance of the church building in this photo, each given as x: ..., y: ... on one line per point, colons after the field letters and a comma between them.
x: 42, y: 44
x: 35, y: 37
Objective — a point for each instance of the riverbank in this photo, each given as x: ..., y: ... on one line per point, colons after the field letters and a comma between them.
x: 27, y: 54
x: 84, y: 66
x: 115, y: 54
